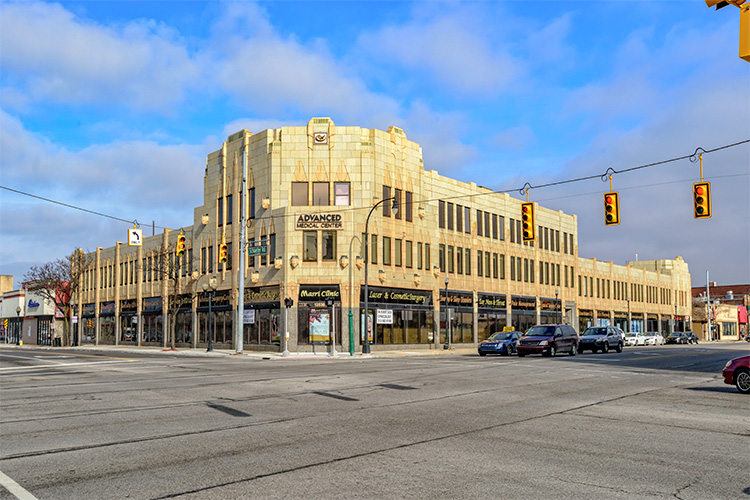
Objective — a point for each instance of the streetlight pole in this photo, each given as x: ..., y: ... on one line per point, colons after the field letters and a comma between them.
x: 209, y: 287
x: 394, y: 208
x: 447, y: 318
x: 18, y: 337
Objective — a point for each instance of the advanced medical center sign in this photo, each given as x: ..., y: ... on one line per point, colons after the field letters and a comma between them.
x: 328, y: 220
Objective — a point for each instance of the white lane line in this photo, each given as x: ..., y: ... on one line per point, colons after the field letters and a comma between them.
x: 14, y: 488
x: 87, y: 363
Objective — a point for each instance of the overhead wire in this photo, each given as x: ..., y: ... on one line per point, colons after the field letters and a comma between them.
x: 527, y: 186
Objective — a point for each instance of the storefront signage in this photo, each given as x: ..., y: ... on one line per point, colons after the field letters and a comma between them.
x: 328, y: 220
x: 152, y: 304
x: 585, y: 313
x: 602, y: 314
x: 549, y: 305
x: 380, y: 295
x: 89, y: 310
x: 457, y: 299
x: 183, y: 302
x: 319, y: 293
x: 107, y: 309
x: 621, y: 315
x: 219, y: 301
x: 33, y: 303
x: 523, y: 303
x: 262, y: 294
x: 128, y: 306
x: 385, y: 316
x: 491, y: 301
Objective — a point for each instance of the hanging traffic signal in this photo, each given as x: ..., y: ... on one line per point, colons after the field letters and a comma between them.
x: 744, y: 51
x: 611, y: 208
x: 702, y: 200
x: 223, y: 254
x: 181, y: 245
x: 527, y: 217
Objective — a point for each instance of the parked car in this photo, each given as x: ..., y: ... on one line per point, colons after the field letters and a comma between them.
x: 692, y: 337
x: 677, y: 338
x: 737, y: 372
x: 548, y: 340
x: 653, y: 338
x: 499, y: 343
x: 635, y: 339
x: 600, y: 338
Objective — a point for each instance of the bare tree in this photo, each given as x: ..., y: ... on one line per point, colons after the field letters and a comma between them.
x: 178, y: 284
x: 57, y: 282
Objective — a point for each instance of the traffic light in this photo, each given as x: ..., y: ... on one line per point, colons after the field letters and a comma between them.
x: 744, y: 23
x: 702, y: 200
x: 223, y: 254
x: 527, y: 217
x: 611, y: 208
x: 181, y: 245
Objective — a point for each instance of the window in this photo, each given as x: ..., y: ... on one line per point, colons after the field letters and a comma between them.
x: 502, y: 266
x: 546, y: 238
x: 220, y: 211
x: 541, y: 272
x: 407, y: 206
x: 450, y: 216
x: 479, y: 223
x: 519, y: 234
x: 501, y: 226
x: 251, y: 196
x: 441, y: 214
x: 229, y: 256
x: 398, y: 252
x: 494, y: 226
x: 512, y: 268
x: 341, y: 194
x: 272, y: 247
x: 328, y: 245
x: 459, y: 260
x: 203, y: 263
x: 408, y: 252
x: 512, y: 231
x: 386, y: 250
x: 441, y: 257
x: 374, y: 249
x: 386, y: 205
x: 487, y: 224
x: 494, y: 265
x: 565, y: 242
x: 531, y: 270
x: 299, y: 194
x: 546, y: 274
x: 229, y: 209
x: 427, y: 256
x: 310, y: 246
x: 570, y: 237
x: 467, y: 261
x: 449, y: 258
x: 459, y: 218
x: 400, y: 211
x: 487, y: 264
x: 321, y: 195
x: 419, y: 255
x: 525, y: 270
x: 210, y: 259
x: 480, y: 260
x: 263, y: 258
x: 467, y: 220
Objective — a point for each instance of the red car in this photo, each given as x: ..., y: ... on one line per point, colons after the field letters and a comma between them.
x: 737, y: 372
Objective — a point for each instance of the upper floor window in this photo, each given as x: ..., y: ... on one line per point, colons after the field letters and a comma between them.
x: 441, y: 214
x: 252, y: 202
x: 299, y: 194
x: 220, y: 211
x: 407, y: 206
x: 386, y: 205
x: 321, y: 193
x: 341, y: 194
x: 229, y: 209
x: 399, y: 204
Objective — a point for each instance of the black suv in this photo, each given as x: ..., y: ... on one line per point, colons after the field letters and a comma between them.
x: 548, y: 340
x: 600, y: 338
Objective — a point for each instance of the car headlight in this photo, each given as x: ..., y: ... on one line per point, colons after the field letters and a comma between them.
x: 728, y: 363
x: 543, y: 342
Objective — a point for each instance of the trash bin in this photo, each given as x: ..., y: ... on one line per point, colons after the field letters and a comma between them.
x: 56, y: 342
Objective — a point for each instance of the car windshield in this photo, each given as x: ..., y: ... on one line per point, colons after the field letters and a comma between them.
x: 674, y: 334
x: 595, y: 331
x: 500, y: 336
x: 540, y: 331
x: 632, y: 334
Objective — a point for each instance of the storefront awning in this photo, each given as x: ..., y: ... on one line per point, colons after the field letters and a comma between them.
x: 741, y: 314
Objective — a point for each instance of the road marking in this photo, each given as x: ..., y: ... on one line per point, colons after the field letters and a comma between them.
x: 88, y: 363
x: 14, y: 488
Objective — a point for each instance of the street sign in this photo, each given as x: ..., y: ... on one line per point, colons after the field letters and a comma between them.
x: 259, y: 250
x: 135, y: 237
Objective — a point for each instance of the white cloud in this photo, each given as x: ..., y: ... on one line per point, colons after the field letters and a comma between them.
x: 56, y: 57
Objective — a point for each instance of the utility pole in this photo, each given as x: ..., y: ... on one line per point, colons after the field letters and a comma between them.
x: 240, y: 322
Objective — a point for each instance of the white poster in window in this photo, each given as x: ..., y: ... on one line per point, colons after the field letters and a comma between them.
x: 248, y: 317
x: 320, y: 326
x: 370, y: 321
x: 385, y: 316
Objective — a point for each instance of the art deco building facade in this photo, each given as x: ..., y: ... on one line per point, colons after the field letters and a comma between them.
x: 309, y: 195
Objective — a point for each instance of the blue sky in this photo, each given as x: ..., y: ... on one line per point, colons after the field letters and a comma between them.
x: 113, y: 106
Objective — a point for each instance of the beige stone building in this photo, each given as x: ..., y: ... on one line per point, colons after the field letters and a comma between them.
x: 310, y: 194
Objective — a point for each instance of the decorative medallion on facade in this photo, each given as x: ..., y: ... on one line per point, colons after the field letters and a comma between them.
x: 320, y: 138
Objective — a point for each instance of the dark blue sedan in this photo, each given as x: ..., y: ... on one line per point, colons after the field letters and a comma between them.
x: 499, y: 343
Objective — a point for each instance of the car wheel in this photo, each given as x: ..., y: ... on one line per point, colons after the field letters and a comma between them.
x: 742, y: 381
x: 605, y: 349
x: 580, y: 351
x: 618, y: 348
x: 552, y: 350
x: 573, y: 350
x: 482, y: 353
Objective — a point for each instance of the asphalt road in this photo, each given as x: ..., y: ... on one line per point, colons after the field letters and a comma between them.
x: 652, y: 422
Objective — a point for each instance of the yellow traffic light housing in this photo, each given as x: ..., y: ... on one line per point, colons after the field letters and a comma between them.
x: 181, y: 245
x: 527, y: 221
x: 744, y: 23
x: 223, y: 255
x: 611, y: 208
x: 702, y: 200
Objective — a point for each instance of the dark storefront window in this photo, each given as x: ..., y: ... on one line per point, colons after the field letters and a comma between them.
x: 315, y: 320
x: 410, y: 313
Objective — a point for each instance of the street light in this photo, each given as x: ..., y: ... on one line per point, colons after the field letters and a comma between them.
x: 18, y: 313
x: 394, y: 209
x: 447, y: 319
x: 209, y: 288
